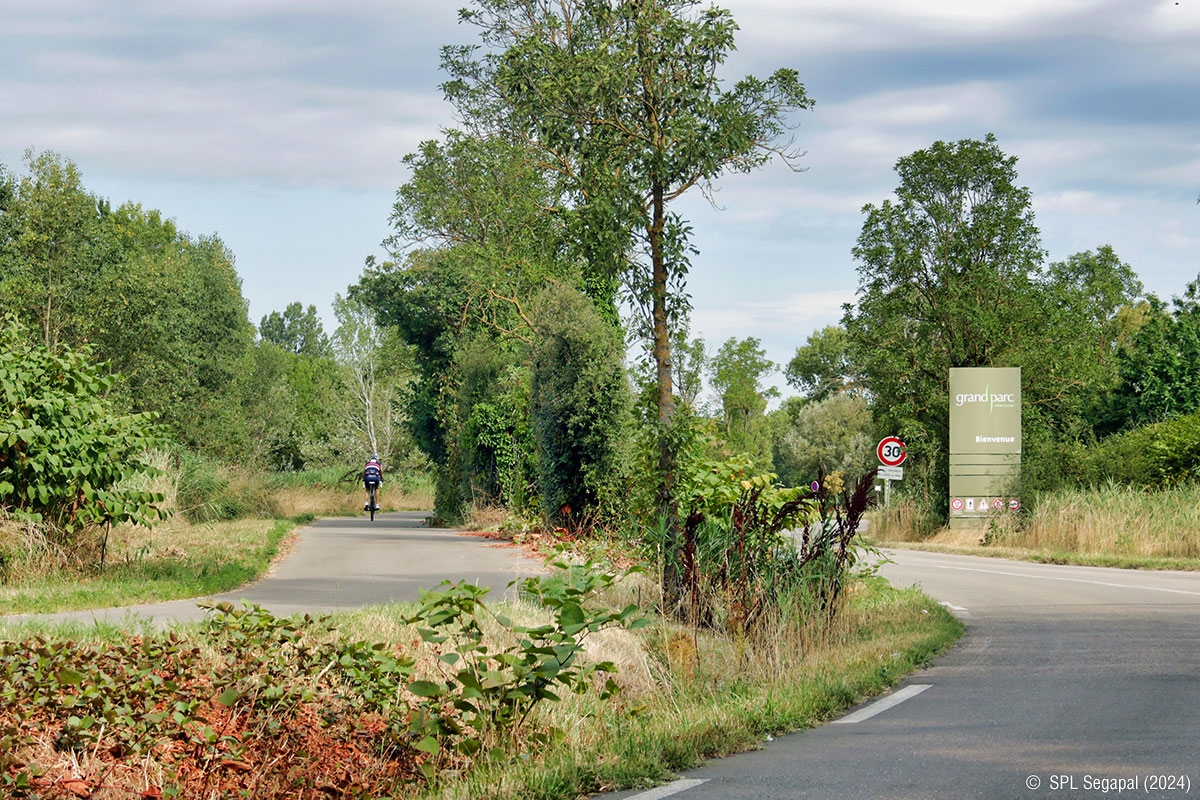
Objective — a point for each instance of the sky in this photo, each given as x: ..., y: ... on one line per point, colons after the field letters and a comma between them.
x: 280, y: 125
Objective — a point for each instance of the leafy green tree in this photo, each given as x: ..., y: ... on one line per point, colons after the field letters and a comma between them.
x: 834, y: 434
x: 167, y: 312
x: 1159, y: 375
x: 689, y: 360
x: 297, y: 330
x: 49, y: 254
x: 476, y: 207
x: 66, y: 452
x: 951, y: 276
x: 824, y: 365
x: 162, y: 309
x: 737, y: 372
x: 622, y: 103
x: 579, y: 402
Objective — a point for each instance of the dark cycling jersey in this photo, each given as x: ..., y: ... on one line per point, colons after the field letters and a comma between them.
x: 373, y: 473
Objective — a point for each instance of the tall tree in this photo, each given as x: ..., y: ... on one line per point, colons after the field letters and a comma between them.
x: 621, y: 100
x: 823, y: 366
x: 950, y: 275
x: 359, y: 344
x: 297, y: 330
x: 49, y: 256
x: 737, y: 372
x: 579, y: 400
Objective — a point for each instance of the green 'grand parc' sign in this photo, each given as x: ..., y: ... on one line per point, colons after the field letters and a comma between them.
x: 985, y: 443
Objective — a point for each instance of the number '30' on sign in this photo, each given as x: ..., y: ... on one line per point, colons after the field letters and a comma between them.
x: 891, y: 451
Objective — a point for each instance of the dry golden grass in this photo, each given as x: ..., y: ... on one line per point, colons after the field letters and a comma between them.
x: 1109, y: 521
x: 1115, y: 519
x: 904, y: 522
x: 293, y: 501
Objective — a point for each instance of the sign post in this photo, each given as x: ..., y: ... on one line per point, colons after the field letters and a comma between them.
x: 891, y: 452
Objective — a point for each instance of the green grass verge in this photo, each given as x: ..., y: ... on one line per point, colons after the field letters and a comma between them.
x: 694, y: 720
x: 1053, y: 557
x: 178, y: 563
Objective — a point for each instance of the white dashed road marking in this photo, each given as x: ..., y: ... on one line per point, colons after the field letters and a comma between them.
x: 957, y: 611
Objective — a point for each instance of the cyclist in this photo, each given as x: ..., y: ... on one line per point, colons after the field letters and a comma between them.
x: 372, y: 477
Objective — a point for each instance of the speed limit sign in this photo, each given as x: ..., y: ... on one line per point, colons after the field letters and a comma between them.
x: 891, y: 452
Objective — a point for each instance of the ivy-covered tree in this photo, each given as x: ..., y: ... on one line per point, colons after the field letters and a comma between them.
x: 579, y: 403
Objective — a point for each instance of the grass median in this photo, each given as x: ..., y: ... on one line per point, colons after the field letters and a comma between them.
x: 726, y: 699
x: 169, y: 562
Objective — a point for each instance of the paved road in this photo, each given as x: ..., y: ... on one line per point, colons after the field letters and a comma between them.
x: 1075, y: 671
x: 351, y: 562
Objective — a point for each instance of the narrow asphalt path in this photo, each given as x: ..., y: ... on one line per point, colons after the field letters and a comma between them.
x: 1067, y: 677
x: 348, y: 562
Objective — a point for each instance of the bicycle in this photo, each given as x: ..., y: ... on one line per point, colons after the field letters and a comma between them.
x: 371, y: 491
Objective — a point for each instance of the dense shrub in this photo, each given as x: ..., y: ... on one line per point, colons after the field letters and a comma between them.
x: 580, y: 400
x: 753, y: 552
x: 1153, y: 456
x: 66, y: 454
x: 498, y: 448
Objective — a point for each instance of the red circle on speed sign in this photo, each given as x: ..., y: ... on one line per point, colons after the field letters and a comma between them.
x: 891, y: 452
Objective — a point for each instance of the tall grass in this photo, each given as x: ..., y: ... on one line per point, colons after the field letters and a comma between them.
x: 206, y: 490
x: 905, y: 521
x: 1114, y: 519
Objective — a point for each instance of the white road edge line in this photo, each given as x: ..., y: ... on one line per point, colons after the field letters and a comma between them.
x: 879, y: 706
x: 1059, y: 578
x: 681, y: 785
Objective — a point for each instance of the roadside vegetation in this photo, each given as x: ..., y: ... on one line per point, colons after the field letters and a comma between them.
x: 156, y: 443
x: 1112, y: 525
x: 570, y: 690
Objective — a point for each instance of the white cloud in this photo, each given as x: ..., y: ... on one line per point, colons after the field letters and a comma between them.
x: 1172, y: 234
x: 827, y: 25
x: 1076, y: 202
x: 1173, y: 20
x: 797, y: 314
x: 268, y: 129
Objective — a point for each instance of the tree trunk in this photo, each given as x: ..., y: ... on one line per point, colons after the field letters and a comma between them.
x: 672, y: 580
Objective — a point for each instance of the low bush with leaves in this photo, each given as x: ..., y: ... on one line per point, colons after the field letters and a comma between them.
x: 752, y: 550
x: 262, y: 706
x: 487, y: 691
x: 67, y: 456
